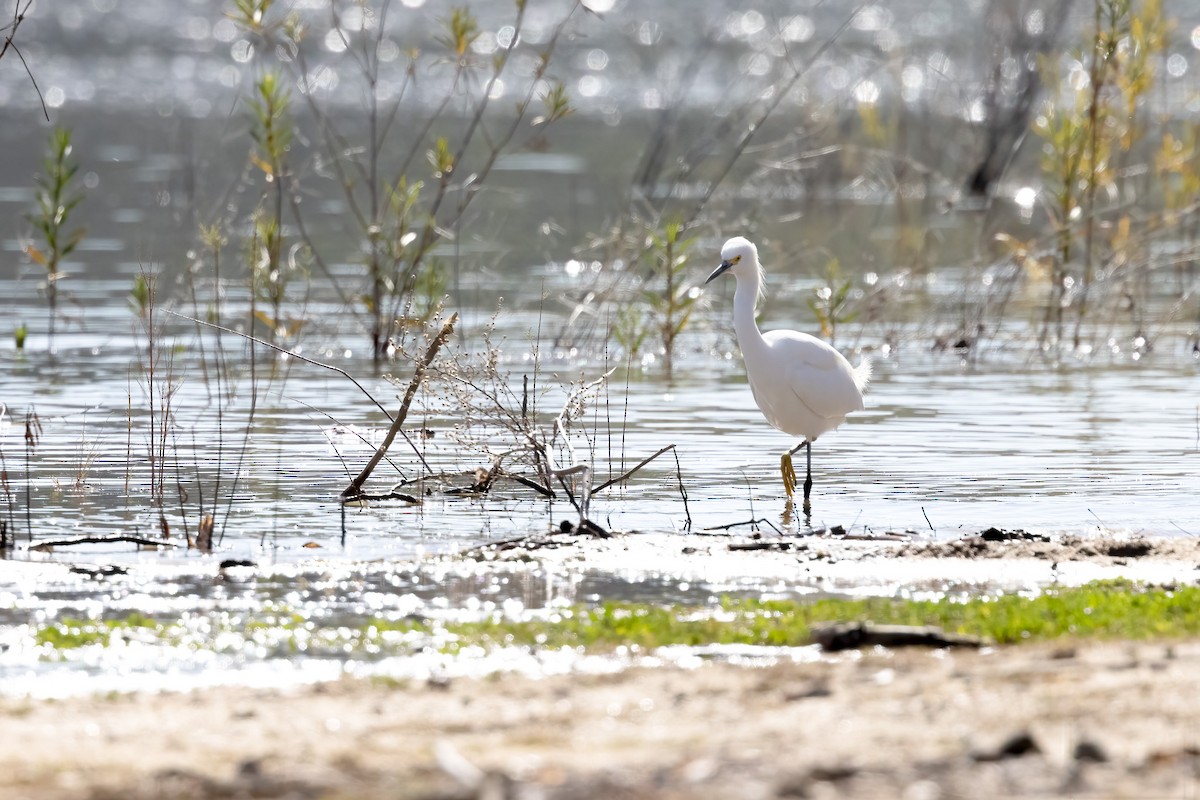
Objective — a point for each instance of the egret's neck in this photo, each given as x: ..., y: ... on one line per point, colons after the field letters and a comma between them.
x: 745, y: 297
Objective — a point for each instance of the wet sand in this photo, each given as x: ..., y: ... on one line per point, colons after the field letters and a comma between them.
x: 1093, y: 719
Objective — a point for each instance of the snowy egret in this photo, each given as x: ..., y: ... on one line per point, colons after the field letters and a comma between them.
x: 803, y: 386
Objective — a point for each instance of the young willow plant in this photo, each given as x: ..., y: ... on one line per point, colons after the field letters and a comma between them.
x: 271, y: 129
x: 670, y: 306
x: 1177, y: 165
x: 56, y: 199
x: 403, y: 216
x: 1085, y: 136
x: 830, y: 303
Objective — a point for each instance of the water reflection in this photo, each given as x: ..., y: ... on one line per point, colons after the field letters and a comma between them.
x: 1013, y: 445
x: 945, y: 446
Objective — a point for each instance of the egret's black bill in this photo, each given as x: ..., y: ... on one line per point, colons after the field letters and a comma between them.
x: 716, y: 273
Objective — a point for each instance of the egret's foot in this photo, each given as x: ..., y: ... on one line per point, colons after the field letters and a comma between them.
x: 789, y: 474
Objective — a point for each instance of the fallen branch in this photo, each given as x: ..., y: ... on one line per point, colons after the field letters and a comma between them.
x: 107, y: 571
x: 529, y: 484
x: 762, y: 545
x: 494, y: 475
x: 624, y: 476
x: 363, y: 497
x: 852, y: 635
x: 752, y: 522
x: 126, y: 539
x: 567, y: 535
x: 527, y: 542
x: 355, y: 487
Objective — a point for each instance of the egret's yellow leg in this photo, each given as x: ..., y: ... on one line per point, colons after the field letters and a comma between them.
x: 789, y: 473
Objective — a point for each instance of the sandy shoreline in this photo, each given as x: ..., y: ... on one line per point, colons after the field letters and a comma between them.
x: 1090, y: 720
x: 1093, y: 719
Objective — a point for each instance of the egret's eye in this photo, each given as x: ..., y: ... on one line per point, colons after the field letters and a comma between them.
x: 736, y: 259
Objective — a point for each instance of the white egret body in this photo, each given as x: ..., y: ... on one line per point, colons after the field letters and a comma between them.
x: 803, y: 386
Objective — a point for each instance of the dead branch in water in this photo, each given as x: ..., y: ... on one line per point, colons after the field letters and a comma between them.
x: 624, y: 476
x: 751, y: 522
x: 355, y: 487
x: 124, y: 538
x: 363, y: 497
x: 629, y: 472
x: 485, y: 478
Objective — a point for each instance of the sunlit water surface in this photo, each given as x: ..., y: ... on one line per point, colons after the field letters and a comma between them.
x: 946, y: 446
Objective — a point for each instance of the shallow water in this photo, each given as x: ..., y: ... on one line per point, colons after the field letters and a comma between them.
x: 942, y: 445
x: 944, y: 448
x: 1006, y: 438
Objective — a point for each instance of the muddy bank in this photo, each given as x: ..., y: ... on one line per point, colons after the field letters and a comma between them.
x: 1091, y: 720
x: 1086, y: 720
x: 864, y: 563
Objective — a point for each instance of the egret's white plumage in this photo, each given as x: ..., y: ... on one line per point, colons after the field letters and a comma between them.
x: 803, y: 386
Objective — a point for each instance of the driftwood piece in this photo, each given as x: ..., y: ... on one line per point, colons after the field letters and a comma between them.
x: 585, y: 528
x: 106, y: 571
x: 355, y: 487
x: 769, y: 544
x: 851, y: 635
x: 138, y: 540
x: 363, y: 497
x: 1018, y: 535
x: 754, y: 523
x: 568, y: 534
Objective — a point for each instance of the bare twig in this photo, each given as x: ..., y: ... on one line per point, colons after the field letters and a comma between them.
x: 771, y: 544
x: 33, y: 434
x: 544, y: 491
x: 407, y: 498
x: 355, y: 487
x: 628, y: 473
x: 682, y: 491
x: 752, y: 522
x: 798, y: 72
x: 19, y: 17
x: 286, y: 352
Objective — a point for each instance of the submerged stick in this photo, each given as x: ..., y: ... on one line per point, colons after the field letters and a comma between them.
x: 138, y: 540
x: 751, y: 522
x: 629, y: 473
x: 682, y: 490
x: 355, y: 487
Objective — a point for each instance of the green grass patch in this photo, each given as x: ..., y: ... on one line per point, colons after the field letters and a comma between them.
x: 70, y: 633
x: 1099, y: 610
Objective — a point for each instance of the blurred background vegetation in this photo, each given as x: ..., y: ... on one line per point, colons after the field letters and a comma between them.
x: 1000, y: 171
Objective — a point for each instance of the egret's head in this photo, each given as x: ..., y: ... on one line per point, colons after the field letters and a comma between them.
x: 740, y: 256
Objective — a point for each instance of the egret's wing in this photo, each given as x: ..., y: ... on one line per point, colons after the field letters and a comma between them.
x: 818, y: 375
